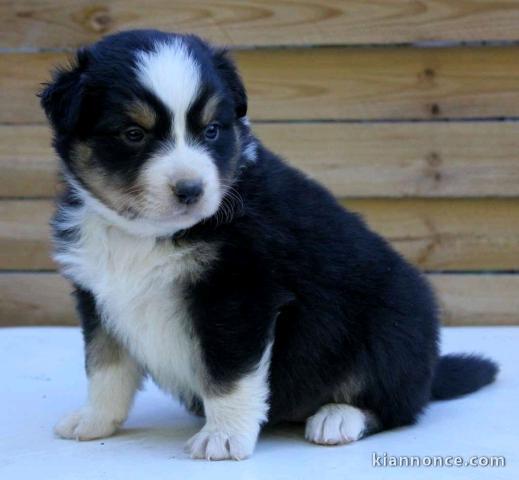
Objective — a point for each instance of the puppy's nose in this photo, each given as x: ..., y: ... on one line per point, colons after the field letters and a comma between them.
x: 188, y: 191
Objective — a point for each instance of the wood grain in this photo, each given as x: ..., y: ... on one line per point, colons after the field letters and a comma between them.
x: 355, y: 160
x: 448, y: 234
x: 27, y: 163
x: 35, y: 299
x: 469, y: 159
x: 58, y: 24
x: 44, y: 299
x: 478, y: 299
x: 441, y: 234
x: 25, y: 234
x: 330, y: 83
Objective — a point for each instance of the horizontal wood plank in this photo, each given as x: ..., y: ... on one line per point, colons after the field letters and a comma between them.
x: 35, y: 299
x: 448, y: 234
x: 330, y: 83
x: 467, y: 159
x: 477, y: 299
x: 434, y: 234
x: 25, y: 234
x: 44, y: 299
x: 27, y: 163
x: 58, y: 24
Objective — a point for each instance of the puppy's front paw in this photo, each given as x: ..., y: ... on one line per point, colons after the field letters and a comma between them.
x: 85, y: 425
x: 219, y: 445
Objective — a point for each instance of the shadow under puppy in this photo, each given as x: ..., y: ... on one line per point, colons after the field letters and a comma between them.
x: 203, y: 260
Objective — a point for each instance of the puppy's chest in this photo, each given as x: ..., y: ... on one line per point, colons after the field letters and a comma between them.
x: 140, y: 286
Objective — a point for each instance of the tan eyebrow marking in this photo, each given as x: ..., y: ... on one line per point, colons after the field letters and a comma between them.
x: 143, y: 114
x: 105, y: 188
x: 209, y: 109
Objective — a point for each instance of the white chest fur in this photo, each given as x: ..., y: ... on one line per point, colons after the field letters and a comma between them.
x: 138, y: 286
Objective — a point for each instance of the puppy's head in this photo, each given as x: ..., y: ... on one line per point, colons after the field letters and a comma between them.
x: 151, y: 128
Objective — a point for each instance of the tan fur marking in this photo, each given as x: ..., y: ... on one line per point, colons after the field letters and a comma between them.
x: 142, y: 114
x: 210, y: 110
x: 105, y: 188
x: 82, y: 154
x: 102, y: 350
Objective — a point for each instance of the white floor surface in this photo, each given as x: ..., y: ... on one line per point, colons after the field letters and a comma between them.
x: 42, y: 378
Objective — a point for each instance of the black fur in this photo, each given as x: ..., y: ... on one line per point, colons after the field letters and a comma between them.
x: 458, y: 375
x: 84, y: 104
x: 341, y: 306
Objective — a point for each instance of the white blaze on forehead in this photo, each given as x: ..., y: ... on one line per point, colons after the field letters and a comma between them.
x: 173, y: 75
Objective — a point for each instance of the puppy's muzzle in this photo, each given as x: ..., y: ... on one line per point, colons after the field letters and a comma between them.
x: 188, y: 192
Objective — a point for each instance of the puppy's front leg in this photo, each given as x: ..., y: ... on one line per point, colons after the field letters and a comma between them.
x: 234, y: 418
x: 113, y: 379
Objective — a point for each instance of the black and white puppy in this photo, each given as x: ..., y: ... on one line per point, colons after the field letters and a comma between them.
x: 236, y: 283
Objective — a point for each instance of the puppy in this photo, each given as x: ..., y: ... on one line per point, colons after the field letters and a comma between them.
x: 201, y: 259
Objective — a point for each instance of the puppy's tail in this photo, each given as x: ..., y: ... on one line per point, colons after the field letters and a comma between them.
x: 460, y: 374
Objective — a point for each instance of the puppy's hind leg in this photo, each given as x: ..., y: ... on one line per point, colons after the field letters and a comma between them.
x: 339, y: 423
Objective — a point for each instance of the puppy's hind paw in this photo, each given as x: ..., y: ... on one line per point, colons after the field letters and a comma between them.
x: 217, y: 445
x: 85, y: 425
x: 336, y: 424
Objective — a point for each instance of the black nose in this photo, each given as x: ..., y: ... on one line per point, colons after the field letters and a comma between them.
x: 188, y: 191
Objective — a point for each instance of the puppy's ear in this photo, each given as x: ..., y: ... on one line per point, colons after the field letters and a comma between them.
x: 61, y: 99
x: 229, y: 73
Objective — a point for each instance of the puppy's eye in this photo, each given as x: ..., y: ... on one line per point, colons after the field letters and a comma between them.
x: 134, y: 134
x: 211, y: 131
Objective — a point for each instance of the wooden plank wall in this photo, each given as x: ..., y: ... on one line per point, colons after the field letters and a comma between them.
x: 407, y: 111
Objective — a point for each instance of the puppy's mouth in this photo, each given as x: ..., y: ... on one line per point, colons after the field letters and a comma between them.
x: 132, y: 213
x: 162, y: 211
x: 175, y: 213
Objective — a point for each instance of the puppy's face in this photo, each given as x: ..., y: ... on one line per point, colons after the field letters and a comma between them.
x: 151, y: 129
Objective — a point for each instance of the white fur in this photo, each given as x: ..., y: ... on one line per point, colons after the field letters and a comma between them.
x: 233, y: 420
x: 142, y: 226
x: 135, y: 281
x: 111, y: 390
x: 336, y: 424
x: 173, y: 75
x: 177, y: 162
